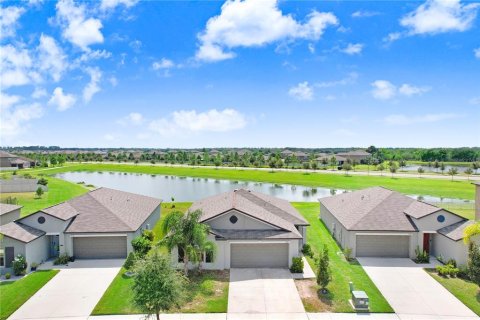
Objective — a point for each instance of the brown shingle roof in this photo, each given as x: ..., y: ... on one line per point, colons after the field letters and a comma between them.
x: 20, y: 232
x: 455, y: 231
x: 6, y: 208
x: 374, y: 209
x: 229, y: 234
x: 4, y: 154
x: 271, y: 210
x: 105, y: 210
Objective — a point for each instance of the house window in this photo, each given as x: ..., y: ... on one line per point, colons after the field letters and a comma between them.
x: 209, y: 256
x: 41, y: 220
x: 2, y: 257
x: 180, y: 254
x: 233, y: 219
x: 441, y: 218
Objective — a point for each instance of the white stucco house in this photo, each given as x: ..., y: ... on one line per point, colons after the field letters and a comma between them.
x: 9, y: 213
x: 97, y: 225
x: 250, y: 230
x: 378, y: 222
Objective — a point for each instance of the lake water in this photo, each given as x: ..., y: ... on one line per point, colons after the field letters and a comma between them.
x: 414, y: 167
x: 186, y: 189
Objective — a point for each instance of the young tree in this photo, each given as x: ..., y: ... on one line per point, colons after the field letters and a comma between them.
x: 333, y: 162
x: 314, y: 165
x: 436, y: 165
x: 39, y: 192
x: 442, y: 167
x: 324, y: 275
x: 393, y: 168
x: 473, y: 266
x: 186, y: 232
x: 157, y: 286
x: 420, y: 170
x: 354, y: 164
x: 452, y: 171
x: 468, y: 172
x: 380, y: 168
x: 347, y: 167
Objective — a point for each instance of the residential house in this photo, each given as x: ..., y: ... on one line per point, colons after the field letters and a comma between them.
x: 9, y: 213
x: 250, y: 230
x: 378, y: 222
x: 97, y: 225
x: 11, y: 160
x: 359, y: 156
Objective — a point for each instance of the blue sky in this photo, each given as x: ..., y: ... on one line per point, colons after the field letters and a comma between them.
x: 123, y: 73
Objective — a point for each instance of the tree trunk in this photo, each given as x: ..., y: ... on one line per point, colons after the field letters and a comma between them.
x: 185, y: 264
x: 158, y: 315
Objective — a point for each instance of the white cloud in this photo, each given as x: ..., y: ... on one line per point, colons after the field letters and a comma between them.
x: 350, y: 79
x: 94, y: 55
x: 410, y: 90
x: 134, y: 118
x: 191, y: 121
x: 391, y: 37
x: 136, y: 45
x: 474, y: 101
x: 15, y: 64
x: 39, y: 93
x: 252, y: 23
x: 7, y: 101
x: 311, y: 48
x: 111, y: 4
x: 77, y: 28
x: 400, y: 119
x: 477, y: 53
x: 8, y: 20
x: 383, y: 89
x: 353, y: 48
x: 113, y: 81
x: 364, y: 14
x: 15, y: 121
x: 163, y: 64
x: 438, y: 16
x: 92, y: 87
x: 51, y: 58
x: 60, y: 100
x: 302, y: 91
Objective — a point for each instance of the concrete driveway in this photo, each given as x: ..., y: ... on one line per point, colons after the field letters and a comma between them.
x: 411, y: 291
x: 265, y: 291
x: 73, y: 292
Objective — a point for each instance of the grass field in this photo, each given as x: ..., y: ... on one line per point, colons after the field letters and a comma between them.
x: 15, y: 293
x: 342, y: 271
x: 58, y: 191
x: 421, y: 186
x: 465, y: 291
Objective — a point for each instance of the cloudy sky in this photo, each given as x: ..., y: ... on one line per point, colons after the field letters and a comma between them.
x: 123, y: 73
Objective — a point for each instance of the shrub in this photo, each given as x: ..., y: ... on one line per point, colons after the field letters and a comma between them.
x: 447, y: 270
x: 34, y: 266
x: 130, y: 261
x: 8, y: 275
x: 148, y: 234
x: 19, y: 265
x: 421, y: 256
x: 324, y: 275
x: 307, y: 250
x: 297, y: 265
x: 347, y: 252
x: 42, y: 181
x: 62, y: 259
x: 27, y: 176
x: 39, y: 192
x: 141, y: 246
x: 463, y: 272
x: 452, y: 262
x: 474, y: 263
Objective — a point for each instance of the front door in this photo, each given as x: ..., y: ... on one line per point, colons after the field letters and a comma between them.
x: 426, y: 242
x: 54, y: 247
x: 9, y: 256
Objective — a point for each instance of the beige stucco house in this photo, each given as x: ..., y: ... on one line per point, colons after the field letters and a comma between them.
x: 378, y: 222
x: 9, y: 213
x: 97, y: 225
x: 250, y: 229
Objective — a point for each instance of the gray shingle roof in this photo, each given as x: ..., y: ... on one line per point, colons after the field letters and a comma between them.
x: 274, y: 211
x: 229, y: 234
x: 20, y: 232
x: 455, y: 231
x: 6, y: 208
x: 374, y: 209
x: 105, y: 210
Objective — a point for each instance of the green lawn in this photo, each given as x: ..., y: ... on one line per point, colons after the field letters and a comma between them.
x: 15, y: 293
x: 58, y: 191
x: 342, y: 271
x: 420, y: 186
x: 465, y: 291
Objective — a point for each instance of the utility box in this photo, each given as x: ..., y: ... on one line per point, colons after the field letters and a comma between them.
x: 359, y: 301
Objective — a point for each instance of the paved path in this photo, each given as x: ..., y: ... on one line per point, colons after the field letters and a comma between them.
x: 411, y: 291
x: 263, y: 291
x: 72, y: 293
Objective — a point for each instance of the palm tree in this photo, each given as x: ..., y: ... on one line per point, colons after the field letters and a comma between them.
x: 188, y: 234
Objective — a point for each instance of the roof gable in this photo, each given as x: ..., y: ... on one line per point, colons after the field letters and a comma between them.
x: 20, y: 232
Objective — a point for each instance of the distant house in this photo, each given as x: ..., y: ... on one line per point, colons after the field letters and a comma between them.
x: 357, y: 155
x: 9, y: 213
x: 11, y: 160
x: 322, y: 157
x: 378, y: 222
x: 300, y: 155
x: 250, y: 230
x: 98, y: 225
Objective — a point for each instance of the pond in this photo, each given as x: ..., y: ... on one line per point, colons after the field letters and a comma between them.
x: 414, y: 167
x: 187, y: 189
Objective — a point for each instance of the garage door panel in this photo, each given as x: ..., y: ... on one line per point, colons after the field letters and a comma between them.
x: 259, y: 255
x: 392, y: 246
x: 100, y: 247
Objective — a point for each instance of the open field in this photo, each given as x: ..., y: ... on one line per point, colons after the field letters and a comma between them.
x: 465, y: 291
x: 421, y: 186
x: 15, y: 293
x: 336, y: 300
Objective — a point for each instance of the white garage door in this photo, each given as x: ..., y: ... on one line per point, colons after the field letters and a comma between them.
x: 391, y: 246
x: 259, y: 255
x: 100, y: 247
